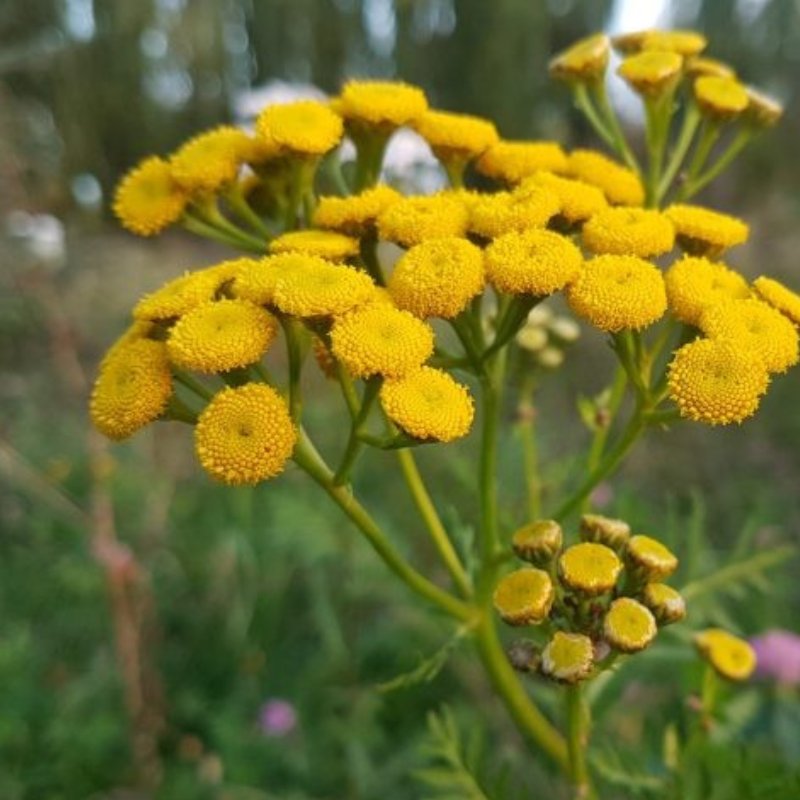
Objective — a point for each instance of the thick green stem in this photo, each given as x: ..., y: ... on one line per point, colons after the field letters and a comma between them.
x: 354, y: 442
x: 491, y: 388
x: 691, y: 121
x: 369, y: 258
x: 370, y: 147
x: 584, y: 103
x: 309, y: 460
x: 193, y: 384
x: 295, y: 355
x: 658, y: 114
x: 577, y: 741
x: 195, y: 225
x: 620, y: 143
x: 238, y: 202
x: 433, y: 523
x: 526, y: 429
x: 740, y: 141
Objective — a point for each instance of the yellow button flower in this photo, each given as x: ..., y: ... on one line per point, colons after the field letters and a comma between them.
x: 414, y: 219
x: 220, y: 336
x: 456, y: 136
x: 695, y: 284
x: 731, y: 657
x: 438, y: 278
x: 621, y: 185
x: 762, y: 111
x: 257, y: 283
x: 379, y: 339
x: 589, y: 568
x: 616, y: 293
x: 512, y: 161
x: 585, y: 61
x: 524, y: 597
x: 382, y: 104
x: 613, y: 533
x: 245, y: 435
x: 666, y: 603
x: 428, y: 405
x: 536, y: 262
x: 757, y: 327
x: 779, y: 297
x: 355, y: 215
x: 210, y: 160
x: 716, y: 381
x: 503, y: 212
x: 701, y: 231
x: 651, y: 73
x: 538, y: 542
x: 137, y: 330
x: 568, y: 657
x: 699, y: 65
x: 686, y: 43
x: 629, y: 626
x: 722, y: 99
x: 326, y: 244
x: 148, y: 199
x: 132, y: 390
x: 577, y: 200
x: 647, y: 557
x: 629, y: 232
x: 301, y: 128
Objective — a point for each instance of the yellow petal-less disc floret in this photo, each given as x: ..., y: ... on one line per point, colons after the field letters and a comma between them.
x: 589, y: 568
x: 652, y: 72
x: 245, y: 435
x: 438, y: 278
x: 629, y: 626
x: 136, y: 331
x: 381, y: 104
x: 257, y: 284
x: 616, y: 293
x: 132, y: 389
x: 414, y: 219
x: 700, y: 65
x: 357, y: 214
x: 648, y: 558
x: 621, y: 185
x: 512, y: 161
x: 695, y: 284
x: 326, y: 244
x: 524, y: 597
x: 220, y: 336
x: 578, y: 200
x: 538, y: 542
x: 732, y: 658
x: 666, y: 603
x: 148, y: 199
x: 503, y: 212
x: 301, y: 128
x: 701, y: 231
x: 685, y: 43
x: 629, y: 231
x: 722, y: 99
x: 716, y: 381
x: 568, y: 657
x: 321, y: 288
x: 779, y: 297
x: 459, y: 136
x: 379, y: 339
x: 757, y: 327
x: 428, y: 405
x: 183, y: 293
x: 537, y: 262
x: 585, y: 61
x: 210, y: 160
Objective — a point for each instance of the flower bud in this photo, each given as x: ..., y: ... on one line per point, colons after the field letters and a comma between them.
x: 613, y: 533
x: 652, y: 73
x: 629, y: 626
x: 628, y: 43
x: 666, y: 603
x: 698, y: 66
x: 568, y: 657
x: 762, y: 111
x: 731, y: 657
x: 538, y: 542
x: 524, y: 655
x: 648, y: 559
x: 588, y: 568
x: 524, y: 597
x: 721, y: 99
x: 584, y: 62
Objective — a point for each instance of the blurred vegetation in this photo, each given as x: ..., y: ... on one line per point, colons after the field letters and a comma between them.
x: 146, y: 616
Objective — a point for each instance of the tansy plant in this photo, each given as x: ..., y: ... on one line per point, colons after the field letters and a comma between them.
x: 416, y: 334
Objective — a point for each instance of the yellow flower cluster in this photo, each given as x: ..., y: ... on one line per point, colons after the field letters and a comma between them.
x: 610, y: 595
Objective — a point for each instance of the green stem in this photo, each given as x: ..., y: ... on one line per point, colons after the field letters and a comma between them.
x: 658, y: 114
x: 490, y: 389
x: 208, y: 211
x: 369, y: 258
x: 354, y: 442
x: 239, y: 204
x: 620, y: 143
x: 348, y: 390
x: 740, y: 141
x: 691, y: 121
x: 584, y: 103
x: 461, y: 326
x: 577, y: 740
x: 509, y: 322
x: 433, y: 523
x: 309, y: 460
x: 193, y: 384
x: 295, y: 357
x: 454, y: 167
x: 526, y: 428
x: 201, y: 228
x: 709, y: 133
x: 333, y: 166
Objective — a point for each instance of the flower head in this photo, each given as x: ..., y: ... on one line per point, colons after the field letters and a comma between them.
x: 613, y: 533
x: 762, y: 111
x: 616, y: 293
x: 428, y: 405
x: 731, y: 657
x: 666, y: 603
x: 700, y: 65
x: 701, y: 231
x: 381, y: 104
x: 277, y: 718
x: 357, y: 214
x: 778, y: 656
x: 379, y: 339
x: 755, y: 326
x: 210, y: 160
x: 245, y: 435
x: 685, y: 43
x: 326, y: 244
x: 648, y: 558
x: 651, y: 73
x: 220, y: 336
x: 568, y: 657
x: 412, y: 220
x: 578, y: 200
x: 583, y: 62
x: 456, y: 136
x: 302, y: 128
x: 524, y: 597
x: 621, y: 185
x: 511, y: 161
x: 721, y: 99
x: 628, y: 625
x: 629, y: 231
x: 695, y: 284
x: 779, y: 297
x: 495, y: 214
x: 589, y: 568
x: 537, y: 262
x: 148, y: 199
x: 258, y: 282
x: 716, y: 381
x: 538, y: 542
x: 132, y: 389
x: 438, y: 278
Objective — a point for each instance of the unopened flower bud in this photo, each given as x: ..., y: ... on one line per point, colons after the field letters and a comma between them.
x: 648, y: 559
x: 762, y: 111
x: 721, y: 99
x: 568, y: 657
x: 666, y: 603
x: 731, y: 657
x: 652, y: 73
x: 524, y: 597
x: 613, y: 533
x: 524, y: 655
x: 698, y: 66
x: 629, y: 626
x: 589, y: 568
x: 538, y: 542
x: 628, y: 43
x: 584, y: 62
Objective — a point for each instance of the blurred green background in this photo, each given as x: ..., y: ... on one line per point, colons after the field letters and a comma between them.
x: 163, y: 637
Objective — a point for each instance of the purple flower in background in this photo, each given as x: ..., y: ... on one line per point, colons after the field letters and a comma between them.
x: 778, y: 654
x: 277, y: 717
